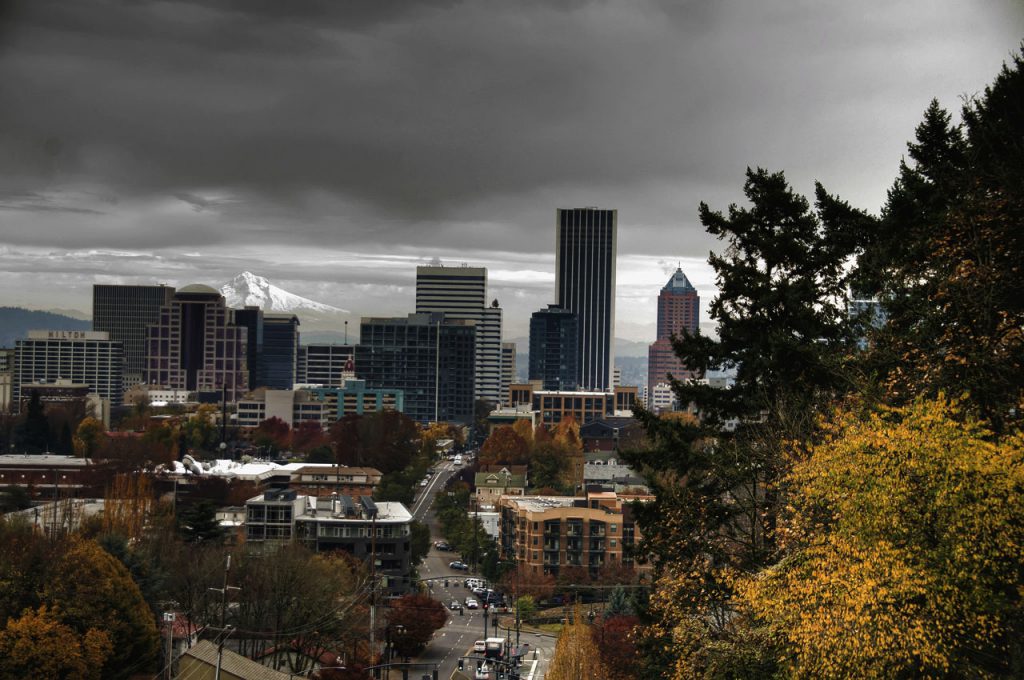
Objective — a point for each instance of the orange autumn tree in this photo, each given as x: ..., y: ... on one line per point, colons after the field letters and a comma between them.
x: 39, y: 645
x: 904, y: 549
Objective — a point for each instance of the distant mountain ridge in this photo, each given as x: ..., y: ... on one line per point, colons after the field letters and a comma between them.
x: 16, y: 322
x: 251, y: 290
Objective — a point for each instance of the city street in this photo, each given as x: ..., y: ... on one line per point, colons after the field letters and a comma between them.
x: 456, y: 638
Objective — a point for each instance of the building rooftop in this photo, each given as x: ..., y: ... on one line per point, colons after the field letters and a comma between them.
x: 42, y: 460
x: 199, y: 288
x: 679, y: 283
x: 542, y: 503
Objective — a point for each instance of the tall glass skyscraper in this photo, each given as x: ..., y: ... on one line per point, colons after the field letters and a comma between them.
x: 585, y: 249
x: 125, y: 312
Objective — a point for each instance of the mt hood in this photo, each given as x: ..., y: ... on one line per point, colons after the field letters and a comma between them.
x: 248, y: 289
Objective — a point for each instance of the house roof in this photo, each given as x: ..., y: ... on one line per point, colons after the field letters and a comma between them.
x: 233, y: 663
x: 499, y: 479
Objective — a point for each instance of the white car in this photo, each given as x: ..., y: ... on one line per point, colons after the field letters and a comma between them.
x: 471, y: 603
x: 480, y: 646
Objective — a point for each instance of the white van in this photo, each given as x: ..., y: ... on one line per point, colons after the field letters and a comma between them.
x: 458, y: 460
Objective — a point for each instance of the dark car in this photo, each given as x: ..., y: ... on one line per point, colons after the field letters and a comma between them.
x: 442, y: 545
x: 455, y: 606
x: 461, y: 566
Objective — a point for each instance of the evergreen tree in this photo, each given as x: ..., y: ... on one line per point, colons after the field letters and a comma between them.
x: 947, y: 256
x: 782, y: 330
x: 618, y: 603
x: 33, y: 434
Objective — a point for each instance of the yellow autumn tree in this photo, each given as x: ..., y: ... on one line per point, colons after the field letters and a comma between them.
x: 576, y: 654
x: 92, y: 589
x: 905, y: 549
x: 524, y: 428
x: 88, y: 438
x: 38, y: 645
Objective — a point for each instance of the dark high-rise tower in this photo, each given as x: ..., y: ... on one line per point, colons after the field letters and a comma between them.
x: 428, y: 356
x: 585, y: 248
x: 678, y: 310
x: 554, y: 348
x: 124, y: 312
x: 272, y: 341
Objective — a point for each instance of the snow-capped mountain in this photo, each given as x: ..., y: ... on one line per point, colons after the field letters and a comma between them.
x: 248, y: 289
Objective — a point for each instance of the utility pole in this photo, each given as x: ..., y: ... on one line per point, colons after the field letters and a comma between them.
x: 224, y: 632
x: 169, y: 620
x: 373, y: 588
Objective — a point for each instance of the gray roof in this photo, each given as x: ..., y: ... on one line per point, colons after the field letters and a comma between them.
x: 235, y: 664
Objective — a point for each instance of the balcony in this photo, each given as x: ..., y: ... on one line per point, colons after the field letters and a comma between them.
x: 551, y: 545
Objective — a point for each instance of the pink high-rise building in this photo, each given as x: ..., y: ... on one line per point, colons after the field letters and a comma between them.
x: 678, y: 310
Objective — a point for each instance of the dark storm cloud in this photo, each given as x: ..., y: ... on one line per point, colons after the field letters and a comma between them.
x: 448, y: 128
x: 399, y: 117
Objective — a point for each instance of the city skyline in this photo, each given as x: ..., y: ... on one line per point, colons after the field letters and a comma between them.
x: 334, y: 147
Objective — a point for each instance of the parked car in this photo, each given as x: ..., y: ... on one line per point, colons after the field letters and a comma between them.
x: 442, y: 545
x: 471, y: 603
x: 461, y: 566
x: 424, y: 483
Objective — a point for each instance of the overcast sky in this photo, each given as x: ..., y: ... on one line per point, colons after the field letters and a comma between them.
x: 333, y: 145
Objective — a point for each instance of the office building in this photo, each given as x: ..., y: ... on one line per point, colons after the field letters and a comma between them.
x: 554, y: 348
x: 429, y: 357
x: 87, y: 358
x: 461, y: 294
x: 325, y: 405
x: 328, y: 365
x: 125, y: 312
x: 196, y: 345
x: 585, y: 249
x: 678, y: 311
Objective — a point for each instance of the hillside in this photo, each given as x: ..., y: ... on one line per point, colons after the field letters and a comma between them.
x: 16, y: 322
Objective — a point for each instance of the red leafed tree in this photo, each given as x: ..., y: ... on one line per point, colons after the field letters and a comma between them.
x: 419, y: 616
x: 505, y: 447
x: 308, y: 436
x: 614, y: 640
x: 273, y: 432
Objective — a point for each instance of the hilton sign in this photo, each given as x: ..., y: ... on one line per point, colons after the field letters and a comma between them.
x: 68, y: 335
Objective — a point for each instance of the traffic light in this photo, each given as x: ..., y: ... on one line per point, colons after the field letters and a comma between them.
x: 461, y: 663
